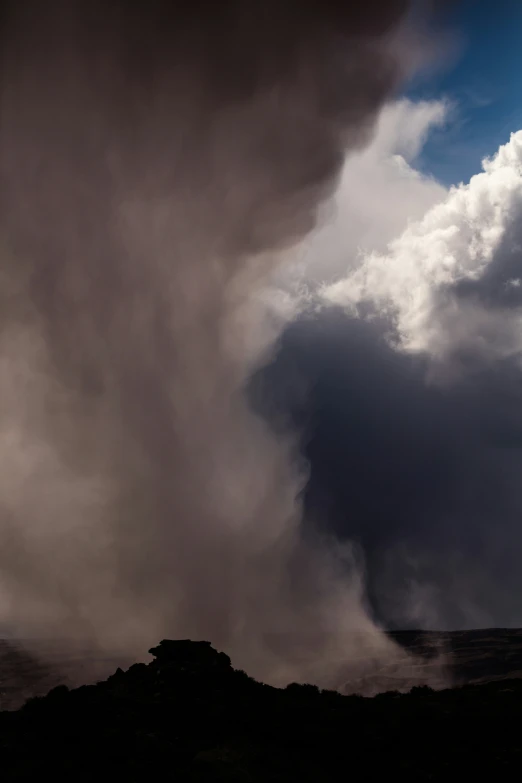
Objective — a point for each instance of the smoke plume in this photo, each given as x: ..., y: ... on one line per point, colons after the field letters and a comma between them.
x: 156, y: 161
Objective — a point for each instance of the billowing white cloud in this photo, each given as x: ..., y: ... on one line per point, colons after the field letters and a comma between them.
x: 379, y: 192
x: 451, y: 281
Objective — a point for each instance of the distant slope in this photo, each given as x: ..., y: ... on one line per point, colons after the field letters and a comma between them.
x: 475, y: 656
x: 23, y: 674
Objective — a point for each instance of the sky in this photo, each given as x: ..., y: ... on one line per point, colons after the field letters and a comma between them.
x: 413, y: 385
x: 260, y: 351
x: 481, y: 78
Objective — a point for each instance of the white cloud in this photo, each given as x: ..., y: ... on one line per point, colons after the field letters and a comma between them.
x: 379, y: 192
x: 449, y: 279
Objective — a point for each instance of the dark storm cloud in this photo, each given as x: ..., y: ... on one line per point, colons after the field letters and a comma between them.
x: 413, y: 409
x: 154, y: 159
x: 426, y: 480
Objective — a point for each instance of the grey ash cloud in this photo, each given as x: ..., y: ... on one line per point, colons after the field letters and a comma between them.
x: 155, y: 159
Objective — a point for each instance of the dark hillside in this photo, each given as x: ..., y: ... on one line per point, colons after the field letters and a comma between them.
x: 189, y: 716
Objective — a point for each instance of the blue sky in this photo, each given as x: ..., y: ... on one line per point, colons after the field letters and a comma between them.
x: 484, y: 86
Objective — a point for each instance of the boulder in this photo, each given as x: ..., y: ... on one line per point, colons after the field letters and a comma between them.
x: 187, y: 654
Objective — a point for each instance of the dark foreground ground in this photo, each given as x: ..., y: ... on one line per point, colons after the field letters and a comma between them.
x: 189, y: 716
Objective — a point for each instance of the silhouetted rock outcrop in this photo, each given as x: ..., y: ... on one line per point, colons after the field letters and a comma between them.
x: 189, y: 716
x: 189, y: 655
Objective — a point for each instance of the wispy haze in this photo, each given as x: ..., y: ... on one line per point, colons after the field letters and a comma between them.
x: 156, y: 160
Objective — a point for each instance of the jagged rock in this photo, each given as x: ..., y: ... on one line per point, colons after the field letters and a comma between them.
x: 188, y: 654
